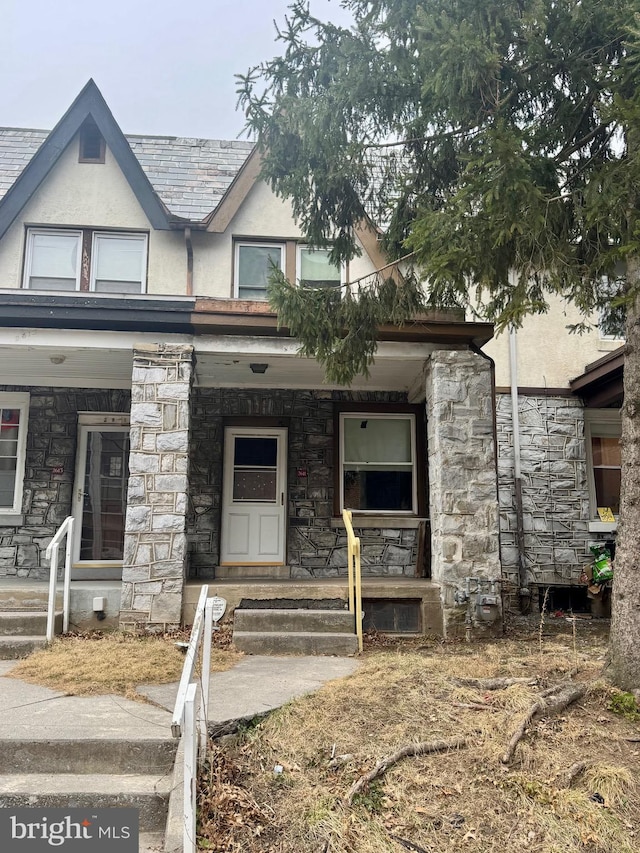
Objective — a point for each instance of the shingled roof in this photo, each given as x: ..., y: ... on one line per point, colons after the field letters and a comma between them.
x: 189, y: 175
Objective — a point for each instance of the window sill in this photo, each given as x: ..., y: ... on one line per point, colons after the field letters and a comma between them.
x: 11, y: 519
x: 603, y: 526
x: 400, y: 522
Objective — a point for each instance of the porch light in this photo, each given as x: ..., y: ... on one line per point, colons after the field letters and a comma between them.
x: 258, y: 368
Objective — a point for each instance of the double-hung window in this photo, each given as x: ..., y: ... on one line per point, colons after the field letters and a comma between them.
x: 254, y: 263
x: 378, y: 462
x: 14, y: 411
x: 315, y: 268
x: 80, y: 259
x: 604, y: 459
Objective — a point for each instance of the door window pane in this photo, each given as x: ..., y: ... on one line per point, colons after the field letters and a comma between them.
x: 255, y: 469
x: 105, y: 495
x: 255, y: 264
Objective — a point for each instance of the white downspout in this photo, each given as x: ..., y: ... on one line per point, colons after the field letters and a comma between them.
x: 524, y: 592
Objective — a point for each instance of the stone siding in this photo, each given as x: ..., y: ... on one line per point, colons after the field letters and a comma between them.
x: 47, y: 497
x: 462, y: 478
x: 314, y: 548
x: 555, y: 494
x: 155, y: 543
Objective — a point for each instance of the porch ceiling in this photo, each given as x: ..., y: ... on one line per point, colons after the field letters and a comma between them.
x: 82, y: 359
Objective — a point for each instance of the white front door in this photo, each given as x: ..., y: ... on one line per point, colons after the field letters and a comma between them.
x: 100, y: 495
x: 253, y: 497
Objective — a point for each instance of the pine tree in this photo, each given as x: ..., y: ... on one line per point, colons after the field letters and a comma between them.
x: 497, y: 144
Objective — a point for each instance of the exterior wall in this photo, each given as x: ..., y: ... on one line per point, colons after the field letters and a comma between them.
x: 93, y: 195
x: 555, y: 494
x: 463, y: 501
x: 315, y: 549
x: 548, y: 355
x: 262, y: 214
x: 51, y: 441
x: 155, y: 549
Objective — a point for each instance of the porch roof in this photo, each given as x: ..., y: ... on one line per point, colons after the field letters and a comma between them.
x: 601, y: 384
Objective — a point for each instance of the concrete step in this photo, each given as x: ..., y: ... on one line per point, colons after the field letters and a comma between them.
x: 155, y: 756
x: 12, y: 648
x: 27, y: 622
x: 253, y: 573
x: 150, y: 794
x: 297, y: 620
x: 29, y: 595
x: 295, y: 643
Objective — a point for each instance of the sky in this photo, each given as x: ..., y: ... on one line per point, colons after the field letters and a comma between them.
x: 164, y: 67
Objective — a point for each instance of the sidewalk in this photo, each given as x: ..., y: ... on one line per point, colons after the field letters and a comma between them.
x: 253, y: 687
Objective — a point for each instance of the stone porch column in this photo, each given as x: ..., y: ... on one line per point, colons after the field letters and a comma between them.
x: 155, y: 542
x: 463, y: 504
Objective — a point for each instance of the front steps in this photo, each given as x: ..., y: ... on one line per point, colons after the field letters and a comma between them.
x: 23, y: 620
x: 310, y: 628
x: 89, y: 774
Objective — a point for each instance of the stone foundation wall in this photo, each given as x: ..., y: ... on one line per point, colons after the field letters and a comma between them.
x: 314, y: 548
x: 46, y: 502
x: 555, y: 494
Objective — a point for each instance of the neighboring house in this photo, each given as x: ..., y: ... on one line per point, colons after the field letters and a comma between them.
x: 147, y: 390
x: 568, y: 427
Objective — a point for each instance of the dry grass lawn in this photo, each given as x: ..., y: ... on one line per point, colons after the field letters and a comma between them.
x: 81, y: 665
x: 454, y: 801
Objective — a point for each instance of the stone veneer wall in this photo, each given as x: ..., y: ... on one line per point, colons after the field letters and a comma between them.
x: 51, y: 442
x: 314, y: 548
x: 555, y: 494
x: 155, y: 542
x: 462, y: 477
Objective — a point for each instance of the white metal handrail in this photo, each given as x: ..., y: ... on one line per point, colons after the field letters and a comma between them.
x: 190, y: 717
x: 355, y: 574
x: 65, y: 529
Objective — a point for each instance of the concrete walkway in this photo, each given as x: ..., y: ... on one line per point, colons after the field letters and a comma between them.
x: 253, y: 687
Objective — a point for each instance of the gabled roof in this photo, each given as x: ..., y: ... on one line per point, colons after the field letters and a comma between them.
x: 601, y: 384
x: 174, y: 178
x: 88, y: 104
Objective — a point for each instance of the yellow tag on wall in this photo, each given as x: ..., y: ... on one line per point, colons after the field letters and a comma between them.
x: 606, y: 514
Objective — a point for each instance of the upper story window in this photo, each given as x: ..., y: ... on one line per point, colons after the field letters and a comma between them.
x: 254, y: 263
x: 378, y: 462
x: 316, y: 270
x: 92, y: 144
x: 14, y: 411
x: 98, y: 261
x: 604, y: 459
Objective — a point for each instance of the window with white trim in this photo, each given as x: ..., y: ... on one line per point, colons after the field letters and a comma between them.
x: 315, y: 269
x: 602, y: 433
x: 378, y: 462
x: 254, y: 263
x: 85, y: 260
x: 14, y: 413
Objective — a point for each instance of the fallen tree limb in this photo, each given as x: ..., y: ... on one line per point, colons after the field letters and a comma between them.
x: 550, y: 702
x: 412, y: 749
x: 409, y: 845
x: 574, y: 771
x: 493, y: 683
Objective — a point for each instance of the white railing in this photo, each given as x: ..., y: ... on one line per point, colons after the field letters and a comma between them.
x: 355, y: 574
x: 65, y: 529
x: 190, y: 717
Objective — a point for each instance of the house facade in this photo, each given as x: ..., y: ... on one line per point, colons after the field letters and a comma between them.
x: 147, y: 390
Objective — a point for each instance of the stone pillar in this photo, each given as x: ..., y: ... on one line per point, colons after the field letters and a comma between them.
x: 463, y: 504
x: 155, y: 541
